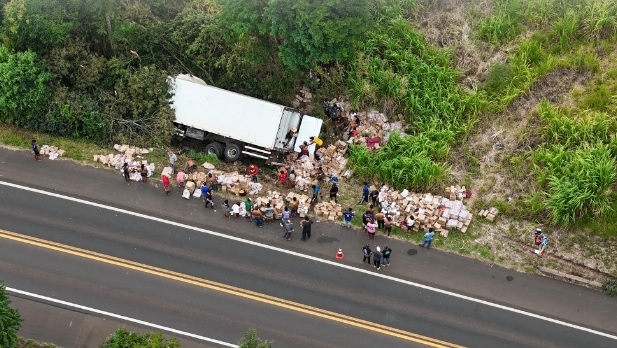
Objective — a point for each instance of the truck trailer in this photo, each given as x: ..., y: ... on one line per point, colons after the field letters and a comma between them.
x: 232, y: 124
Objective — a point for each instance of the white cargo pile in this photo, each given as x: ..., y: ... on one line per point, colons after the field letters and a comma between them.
x: 51, y: 151
x: 236, y: 183
x: 440, y: 213
x: 126, y: 154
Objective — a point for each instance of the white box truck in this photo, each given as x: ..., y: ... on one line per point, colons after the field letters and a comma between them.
x: 233, y: 124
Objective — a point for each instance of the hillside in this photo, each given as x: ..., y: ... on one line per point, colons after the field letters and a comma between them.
x: 515, y: 100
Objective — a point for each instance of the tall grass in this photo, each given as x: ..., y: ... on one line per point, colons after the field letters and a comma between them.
x: 398, y: 72
x: 577, y: 166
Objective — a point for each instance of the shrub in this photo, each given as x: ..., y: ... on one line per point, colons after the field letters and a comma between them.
x: 610, y: 287
x: 10, y: 321
x: 123, y: 338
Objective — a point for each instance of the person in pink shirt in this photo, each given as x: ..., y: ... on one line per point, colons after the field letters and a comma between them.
x: 371, y: 226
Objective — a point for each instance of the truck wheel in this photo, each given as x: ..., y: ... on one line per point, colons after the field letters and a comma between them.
x: 232, y: 152
x: 215, y: 149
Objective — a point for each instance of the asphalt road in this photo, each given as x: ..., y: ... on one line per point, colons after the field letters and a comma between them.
x: 224, y: 316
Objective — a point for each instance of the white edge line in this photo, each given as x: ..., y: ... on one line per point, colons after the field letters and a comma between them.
x: 313, y: 258
x: 121, y: 317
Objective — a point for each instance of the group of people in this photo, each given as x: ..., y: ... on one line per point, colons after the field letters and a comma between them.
x: 380, y: 258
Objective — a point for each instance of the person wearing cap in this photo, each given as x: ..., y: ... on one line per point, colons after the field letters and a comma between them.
x: 377, y: 255
x: 293, y: 132
x: 253, y: 170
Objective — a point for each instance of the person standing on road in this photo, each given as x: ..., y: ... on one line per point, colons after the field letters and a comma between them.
x: 371, y: 227
x: 144, y: 173
x: 285, y: 216
x: 248, y: 206
x: 125, y: 171
x: 166, y: 183
x: 269, y: 213
x: 365, y: 193
x: 367, y: 252
x: 386, y: 255
x: 377, y: 258
x: 209, y: 199
x: 226, y: 209
x: 428, y: 238
x: 288, y: 230
x: 347, y: 216
x: 306, y: 228
x: 204, y: 190
x: 35, y: 149
x: 235, y: 210
x: 258, y: 216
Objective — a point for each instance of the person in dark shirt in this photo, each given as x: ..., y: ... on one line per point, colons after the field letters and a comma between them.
x: 377, y: 255
x: 35, y: 149
x: 333, y: 192
x: 306, y: 228
x: 365, y: 193
x: 374, y: 196
x: 386, y: 255
x: 367, y: 252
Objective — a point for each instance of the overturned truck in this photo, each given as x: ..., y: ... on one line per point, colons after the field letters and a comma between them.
x: 233, y: 125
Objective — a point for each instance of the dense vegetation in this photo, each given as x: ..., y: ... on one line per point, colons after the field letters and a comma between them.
x: 10, y: 321
x: 97, y: 69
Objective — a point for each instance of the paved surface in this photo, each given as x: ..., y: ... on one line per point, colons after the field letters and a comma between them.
x: 288, y: 277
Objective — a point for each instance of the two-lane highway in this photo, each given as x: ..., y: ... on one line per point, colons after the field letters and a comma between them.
x: 218, y: 287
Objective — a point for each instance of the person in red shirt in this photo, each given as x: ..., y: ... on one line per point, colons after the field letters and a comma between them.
x: 253, y: 170
x: 166, y: 183
x: 283, y: 177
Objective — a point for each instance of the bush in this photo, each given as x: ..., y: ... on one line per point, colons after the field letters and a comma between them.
x: 250, y: 339
x: 10, y: 321
x: 126, y: 339
x: 610, y: 287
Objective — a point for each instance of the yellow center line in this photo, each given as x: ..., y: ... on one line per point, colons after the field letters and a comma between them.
x: 228, y: 289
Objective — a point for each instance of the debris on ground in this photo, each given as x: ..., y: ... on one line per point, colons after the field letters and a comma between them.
x: 51, y: 151
x: 489, y: 213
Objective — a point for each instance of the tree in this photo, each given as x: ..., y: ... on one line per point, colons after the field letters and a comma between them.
x: 10, y: 321
x: 318, y: 31
x: 126, y: 339
x: 250, y: 339
x: 23, y: 88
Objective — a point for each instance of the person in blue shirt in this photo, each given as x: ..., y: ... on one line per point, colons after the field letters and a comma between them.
x: 315, y: 193
x: 347, y: 216
x: 365, y: 192
x: 204, y: 190
x: 428, y: 238
x: 285, y: 216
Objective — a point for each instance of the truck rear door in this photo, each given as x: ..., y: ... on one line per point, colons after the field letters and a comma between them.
x: 309, y: 126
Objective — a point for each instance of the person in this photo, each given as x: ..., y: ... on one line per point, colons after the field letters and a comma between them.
x: 35, y: 149
x: 377, y: 255
x: 340, y: 123
x: 333, y: 111
x: 166, y: 183
x: 370, y: 228
x: 386, y: 255
x: 248, y: 206
x: 204, y: 190
x: 226, y: 208
x: 366, y: 250
x: 125, y: 171
x: 388, y: 225
x: 370, y: 212
x: 293, y: 132
x: 190, y: 166
x: 144, y: 173
x: 258, y: 216
x: 172, y: 161
x: 291, y: 178
x: 380, y: 217
x: 303, y: 150
x: 288, y: 230
x: 253, y: 170
x: 306, y: 228
x: 269, y: 213
x: 282, y: 175
x: 365, y: 218
x: 318, y: 144
x: 428, y: 238
x: 374, y: 195
x: 538, y: 237
x: 315, y: 193
x: 333, y: 192
x: 214, y: 183
x: 294, y: 206
x: 347, y: 216
x: 235, y: 210
x: 543, y: 245
x: 285, y: 216
x: 180, y: 178
x: 208, y: 199
x: 365, y: 192
x: 411, y: 220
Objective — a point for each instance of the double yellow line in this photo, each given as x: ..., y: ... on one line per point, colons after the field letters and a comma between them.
x: 232, y: 290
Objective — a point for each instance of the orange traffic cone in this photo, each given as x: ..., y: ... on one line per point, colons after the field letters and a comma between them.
x: 339, y: 254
